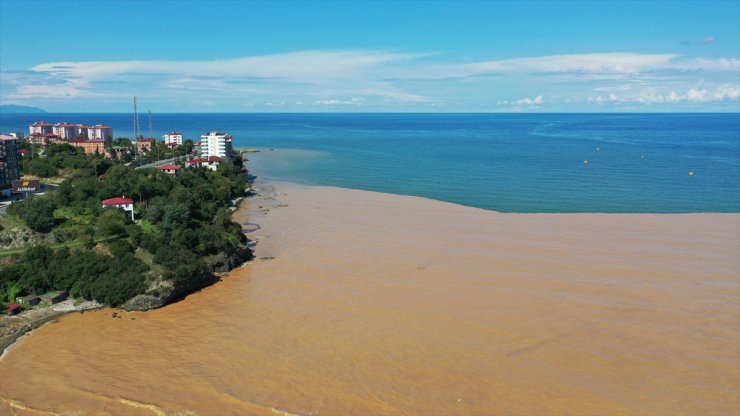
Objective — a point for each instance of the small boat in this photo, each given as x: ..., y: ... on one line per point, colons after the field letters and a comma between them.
x: 691, y: 173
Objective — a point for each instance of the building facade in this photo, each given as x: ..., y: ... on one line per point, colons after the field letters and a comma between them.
x: 10, y: 168
x: 211, y: 162
x: 216, y: 144
x: 65, y: 131
x: 42, y: 139
x: 40, y: 127
x: 99, y: 131
x: 144, y: 145
x: 83, y: 131
x: 173, y: 137
x: 90, y: 146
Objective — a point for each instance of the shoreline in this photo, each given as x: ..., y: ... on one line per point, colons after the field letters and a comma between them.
x: 11, y: 334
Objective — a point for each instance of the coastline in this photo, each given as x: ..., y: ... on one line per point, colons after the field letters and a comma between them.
x: 12, y: 328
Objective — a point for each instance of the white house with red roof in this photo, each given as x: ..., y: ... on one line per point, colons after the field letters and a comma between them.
x: 126, y: 204
x: 211, y: 162
x: 169, y: 168
x: 173, y: 137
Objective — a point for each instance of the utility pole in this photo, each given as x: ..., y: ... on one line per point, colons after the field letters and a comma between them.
x: 136, y: 125
x: 151, y: 136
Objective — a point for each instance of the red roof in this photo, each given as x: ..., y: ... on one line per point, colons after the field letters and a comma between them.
x: 212, y: 159
x: 145, y: 140
x: 168, y: 166
x: 198, y: 160
x: 13, y: 307
x: 23, y: 150
x: 118, y: 201
x: 174, y: 133
x: 172, y: 144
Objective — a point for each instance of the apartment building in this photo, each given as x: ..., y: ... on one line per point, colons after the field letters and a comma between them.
x: 216, y: 144
x: 10, y: 168
x: 173, y: 137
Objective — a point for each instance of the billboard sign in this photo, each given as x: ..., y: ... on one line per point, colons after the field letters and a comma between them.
x: 26, y: 186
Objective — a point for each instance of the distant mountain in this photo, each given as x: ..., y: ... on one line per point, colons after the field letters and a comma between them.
x: 19, y: 109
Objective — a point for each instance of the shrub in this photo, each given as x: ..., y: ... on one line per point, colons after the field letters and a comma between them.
x: 37, y: 213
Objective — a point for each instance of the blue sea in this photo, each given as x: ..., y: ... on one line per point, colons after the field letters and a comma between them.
x: 503, y: 162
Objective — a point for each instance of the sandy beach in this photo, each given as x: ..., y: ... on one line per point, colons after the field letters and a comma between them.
x: 367, y: 303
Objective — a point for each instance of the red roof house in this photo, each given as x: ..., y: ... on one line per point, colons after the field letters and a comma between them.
x: 126, y: 204
x: 169, y: 168
x: 13, y: 309
x: 118, y: 201
x: 204, y: 162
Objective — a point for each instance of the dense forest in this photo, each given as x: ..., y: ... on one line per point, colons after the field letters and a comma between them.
x: 182, y: 234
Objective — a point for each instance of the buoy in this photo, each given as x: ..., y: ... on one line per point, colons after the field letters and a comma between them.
x: 585, y: 162
x: 691, y: 173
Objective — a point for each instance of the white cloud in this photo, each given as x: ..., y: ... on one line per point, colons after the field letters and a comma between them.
x: 384, y: 80
x: 531, y: 101
x: 696, y: 95
x: 693, y: 95
x: 609, y: 65
x: 305, y: 65
x: 727, y: 92
x: 352, y: 101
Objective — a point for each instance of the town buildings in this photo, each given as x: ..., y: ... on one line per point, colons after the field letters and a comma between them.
x: 68, y: 131
x: 10, y: 168
x: 173, y: 137
x: 216, y: 144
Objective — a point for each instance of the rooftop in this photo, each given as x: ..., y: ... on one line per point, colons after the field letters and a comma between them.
x: 168, y: 166
x: 118, y: 201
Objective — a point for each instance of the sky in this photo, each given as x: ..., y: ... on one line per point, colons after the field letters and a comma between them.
x: 376, y: 56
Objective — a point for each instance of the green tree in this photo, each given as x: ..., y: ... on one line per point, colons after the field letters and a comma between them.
x: 36, y: 212
x: 111, y: 222
x: 40, y: 167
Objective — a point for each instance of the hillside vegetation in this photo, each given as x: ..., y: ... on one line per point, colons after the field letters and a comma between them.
x: 183, y: 232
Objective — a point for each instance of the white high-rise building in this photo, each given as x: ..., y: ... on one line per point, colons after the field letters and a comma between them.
x: 99, y: 131
x: 216, y: 144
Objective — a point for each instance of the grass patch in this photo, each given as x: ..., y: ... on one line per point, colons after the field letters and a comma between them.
x: 147, y: 227
x: 69, y: 244
x: 155, y: 270
x: 71, y: 215
x: 10, y: 222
